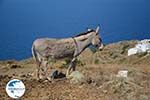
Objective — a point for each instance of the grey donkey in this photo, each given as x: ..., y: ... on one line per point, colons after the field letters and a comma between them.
x: 47, y: 49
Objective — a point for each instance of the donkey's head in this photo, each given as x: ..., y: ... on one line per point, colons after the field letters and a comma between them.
x: 97, y: 41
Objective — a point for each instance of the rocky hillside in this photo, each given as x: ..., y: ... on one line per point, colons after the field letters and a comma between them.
x: 99, y: 70
x: 115, y: 53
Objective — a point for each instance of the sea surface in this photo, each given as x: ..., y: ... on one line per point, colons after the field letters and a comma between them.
x: 22, y: 21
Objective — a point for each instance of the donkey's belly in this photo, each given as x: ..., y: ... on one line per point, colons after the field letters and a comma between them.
x: 62, y: 51
x: 58, y: 54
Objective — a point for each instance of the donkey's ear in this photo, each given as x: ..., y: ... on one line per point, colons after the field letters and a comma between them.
x: 97, y: 29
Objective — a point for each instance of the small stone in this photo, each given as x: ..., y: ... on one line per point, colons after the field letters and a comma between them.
x: 76, y: 77
x: 144, y: 97
x: 105, y: 91
x: 122, y: 73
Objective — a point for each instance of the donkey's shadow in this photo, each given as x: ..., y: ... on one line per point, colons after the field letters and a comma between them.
x: 57, y: 75
x: 60, y: 75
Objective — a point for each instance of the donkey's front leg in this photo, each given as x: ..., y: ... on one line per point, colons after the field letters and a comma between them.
x: 71, y: 66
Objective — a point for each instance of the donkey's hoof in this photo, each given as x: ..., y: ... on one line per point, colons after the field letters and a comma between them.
x: 49, y: 79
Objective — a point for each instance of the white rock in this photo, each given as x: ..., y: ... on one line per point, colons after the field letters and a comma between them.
x: 141, y: 46
x: 133, y: 51
x: 122, y: 73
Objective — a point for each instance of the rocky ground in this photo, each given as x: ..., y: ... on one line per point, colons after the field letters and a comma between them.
x: 98, y: 70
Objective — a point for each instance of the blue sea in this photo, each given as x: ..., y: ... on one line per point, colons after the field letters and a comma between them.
x: 22, y: 21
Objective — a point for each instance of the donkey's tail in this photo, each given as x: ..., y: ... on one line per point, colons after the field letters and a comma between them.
x: 34, y: 54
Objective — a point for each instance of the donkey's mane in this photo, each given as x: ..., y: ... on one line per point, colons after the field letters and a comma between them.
x: 84, y: 33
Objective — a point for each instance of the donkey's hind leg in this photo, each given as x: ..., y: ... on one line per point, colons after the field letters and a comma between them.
x: 43, y: 69
x: 39, y: 64
x: 38, y: 70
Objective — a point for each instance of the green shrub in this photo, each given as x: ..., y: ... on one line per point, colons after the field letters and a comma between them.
x: 142, y: 54
x: 96, y: 61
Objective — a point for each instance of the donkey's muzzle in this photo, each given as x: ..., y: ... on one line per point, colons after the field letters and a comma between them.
x: 101, y: 46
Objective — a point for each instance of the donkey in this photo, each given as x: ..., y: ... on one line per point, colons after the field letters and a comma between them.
x: 47, y: 49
